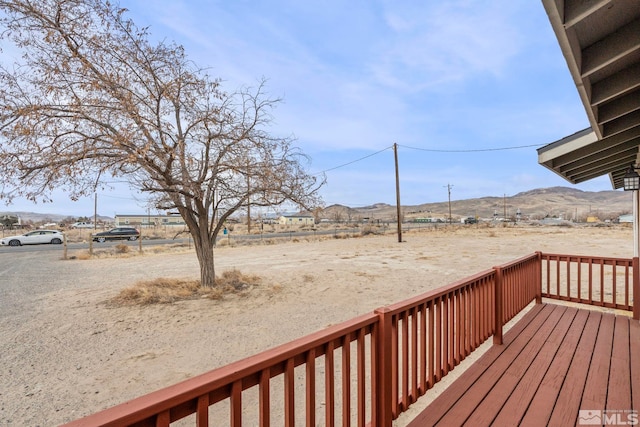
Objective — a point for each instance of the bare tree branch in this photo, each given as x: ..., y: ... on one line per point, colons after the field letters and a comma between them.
x: 91, y: 96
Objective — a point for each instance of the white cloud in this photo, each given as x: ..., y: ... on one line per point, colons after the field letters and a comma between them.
x: 445, y: 42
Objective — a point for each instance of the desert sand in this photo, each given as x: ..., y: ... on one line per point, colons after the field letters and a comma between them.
x: 66, y: 353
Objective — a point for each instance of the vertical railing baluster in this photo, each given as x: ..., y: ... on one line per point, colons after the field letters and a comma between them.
x: 329, y: 385
x: 459, y: 332
x: 289, y: 394
x: 346, y: 380
x: 264, y: 395
x: 568, y: 278
x: 438, y: 307
x: 395, y: 374
x: 362, y: 379
x: 405, y: 361
x: 445, y: 334
x: 414, y: 355
x: 626, y: 285
x: 580, y: 278
x: 590, y: 280
x: 235, y: 402
x: 424, y: 338
x: 383, y: 370
x: 163, y: 419
x: 614, y: 284
x: 601, y: 281
x: 202, y: 407
x: 310, y: 404
x: 497, y: 335
x: 636, y: 288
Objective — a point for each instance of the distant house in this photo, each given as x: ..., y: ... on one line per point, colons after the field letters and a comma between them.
x: 297, y: 220
x: 142, y: 220
x: 626, y: 218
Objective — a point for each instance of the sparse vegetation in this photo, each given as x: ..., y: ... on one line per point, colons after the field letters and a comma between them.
x: 167, y: 291
x: 122, y: 248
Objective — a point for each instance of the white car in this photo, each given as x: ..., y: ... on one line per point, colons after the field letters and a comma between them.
x: 82, y: 225
x: 34, y: 238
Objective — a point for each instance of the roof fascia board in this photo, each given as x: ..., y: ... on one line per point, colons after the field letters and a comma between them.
x: 567, y: 145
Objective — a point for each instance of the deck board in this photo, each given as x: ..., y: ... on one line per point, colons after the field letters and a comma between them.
x: 554, y: 362
x: 551, y: 366
x: 619, y: 395
x: 564, y: 383
x: 516, y: 377
x: 595, y: 389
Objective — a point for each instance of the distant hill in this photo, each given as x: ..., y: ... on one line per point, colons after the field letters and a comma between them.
x: 36, y: 217
x: 539, y: 203
x: 564, y: 202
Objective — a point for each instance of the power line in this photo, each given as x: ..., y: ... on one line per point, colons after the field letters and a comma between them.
x: 353, y: 161
x: 473, y: 150
x: 433, y: 150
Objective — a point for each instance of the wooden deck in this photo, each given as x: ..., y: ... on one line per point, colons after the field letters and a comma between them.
x: 555, y: 362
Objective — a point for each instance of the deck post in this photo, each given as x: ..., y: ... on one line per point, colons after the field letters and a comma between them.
x: 383, y: 388
x: 498, y: 315
x: 636, y: 288
x: 539, y: 278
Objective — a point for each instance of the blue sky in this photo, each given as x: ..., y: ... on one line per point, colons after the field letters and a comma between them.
x: 357, y: 76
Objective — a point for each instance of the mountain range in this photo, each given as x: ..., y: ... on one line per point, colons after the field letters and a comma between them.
x: 556, y: 202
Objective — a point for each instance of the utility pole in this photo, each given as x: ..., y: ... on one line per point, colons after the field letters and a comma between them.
x: 398, y: 208
x: 504, y: 216
x: 449, y: 187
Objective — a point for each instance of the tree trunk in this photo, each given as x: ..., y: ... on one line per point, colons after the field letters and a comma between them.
x: 204, y: 251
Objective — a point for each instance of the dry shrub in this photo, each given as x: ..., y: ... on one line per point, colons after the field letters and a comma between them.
x: 370, y: 230
x: 82, y: 256
x: 158, y: 291
x: 345, y: 236
x: 122, y: 248
x: 235, y: 281
x: 167, y: 291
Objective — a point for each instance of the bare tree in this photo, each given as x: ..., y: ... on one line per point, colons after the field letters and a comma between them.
x: 92, y: 97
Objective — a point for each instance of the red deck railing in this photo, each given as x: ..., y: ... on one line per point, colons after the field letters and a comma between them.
x: 599, y: 281
x: 368, y: 370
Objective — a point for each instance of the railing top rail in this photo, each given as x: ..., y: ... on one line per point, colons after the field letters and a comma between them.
x: 155, y: 402
x: 518, y: 261
x: 587, y: 257
x: 439, y: 292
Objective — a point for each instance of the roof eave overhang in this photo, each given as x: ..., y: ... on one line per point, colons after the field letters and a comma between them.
x: 600, y: 40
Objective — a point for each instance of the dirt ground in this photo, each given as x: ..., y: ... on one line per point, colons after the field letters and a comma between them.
x: 65, y: 353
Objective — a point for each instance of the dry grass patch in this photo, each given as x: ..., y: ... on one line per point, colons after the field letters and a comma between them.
x: 167, y: 291
x: 122, y: 248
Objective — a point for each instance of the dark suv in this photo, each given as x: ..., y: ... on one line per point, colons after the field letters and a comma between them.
x: 470, y: 220
x: 120, y: 233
